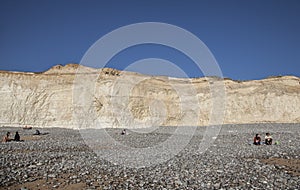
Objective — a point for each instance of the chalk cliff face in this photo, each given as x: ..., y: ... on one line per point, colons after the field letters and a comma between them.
x: 73, y: 96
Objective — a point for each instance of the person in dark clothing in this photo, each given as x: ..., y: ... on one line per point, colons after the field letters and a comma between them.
x: 257, y: 140
x: 123, y: 132
x: 17, y: 137
x: 37, y: 132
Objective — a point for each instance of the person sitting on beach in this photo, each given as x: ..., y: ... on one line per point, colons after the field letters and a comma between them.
x: 123, y: 132
x: 37, y: 132
x: 257, y: 139
x: 6, y: 138
x: 17, y: 137
x: 268, y: 139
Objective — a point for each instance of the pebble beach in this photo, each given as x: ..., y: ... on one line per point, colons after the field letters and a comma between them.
x: 61, y: 159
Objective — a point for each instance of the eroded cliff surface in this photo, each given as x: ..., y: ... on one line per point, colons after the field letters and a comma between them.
x: 72, y: 96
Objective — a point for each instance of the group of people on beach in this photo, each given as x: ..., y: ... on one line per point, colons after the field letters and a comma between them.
x: 257, y: 139
x: 16, y: 138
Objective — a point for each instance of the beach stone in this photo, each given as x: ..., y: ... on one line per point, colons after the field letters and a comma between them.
x: 52, y: 175
x: 228, y: 165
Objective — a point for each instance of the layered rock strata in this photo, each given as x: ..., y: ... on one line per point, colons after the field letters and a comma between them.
x: 74, y: 96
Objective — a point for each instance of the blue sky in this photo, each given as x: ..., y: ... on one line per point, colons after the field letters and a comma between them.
x: 249, y: 39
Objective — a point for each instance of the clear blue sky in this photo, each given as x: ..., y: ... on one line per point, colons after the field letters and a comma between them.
x: 250, y: 39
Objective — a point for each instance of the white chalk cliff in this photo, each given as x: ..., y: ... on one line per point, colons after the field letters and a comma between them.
x: 73, y: 96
